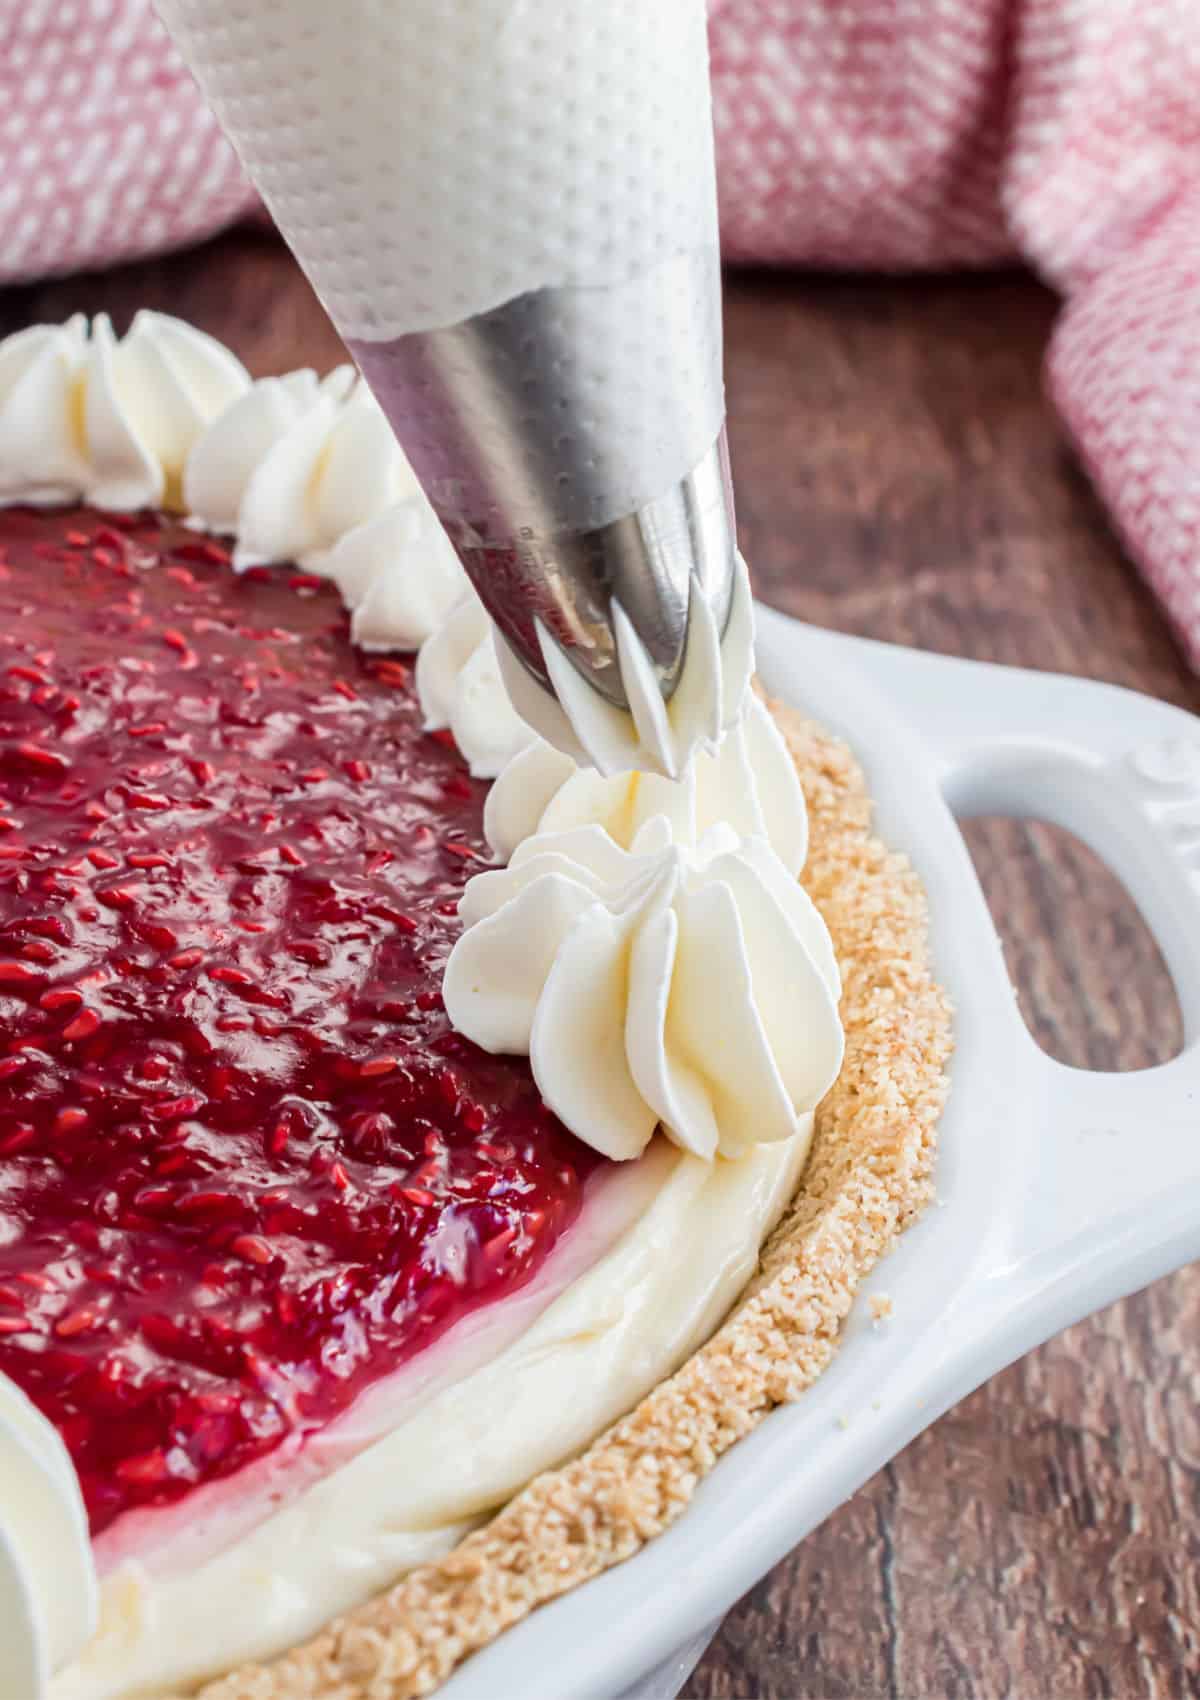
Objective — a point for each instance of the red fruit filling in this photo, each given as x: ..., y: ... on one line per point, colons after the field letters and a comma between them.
x: 246, y: 1167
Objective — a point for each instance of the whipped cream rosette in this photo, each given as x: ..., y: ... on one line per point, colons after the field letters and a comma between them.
x: 460, y: 688
x: 749, y: 782
x: 43, y: 454
x: 91, y: 418
x: 253, y: 477
x: 48, y: 1593
x: 307, y: 470
x: 692, y: 987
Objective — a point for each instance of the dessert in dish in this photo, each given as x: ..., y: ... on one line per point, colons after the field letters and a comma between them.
x: 334, y: 1154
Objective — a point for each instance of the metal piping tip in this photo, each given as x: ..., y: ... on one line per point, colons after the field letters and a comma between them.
x: 647, y: 733
x: 644, y: 571
x: 572, y: 443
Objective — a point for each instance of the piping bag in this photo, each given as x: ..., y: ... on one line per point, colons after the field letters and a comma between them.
x: 508, y: 208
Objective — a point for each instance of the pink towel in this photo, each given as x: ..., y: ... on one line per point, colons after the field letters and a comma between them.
x: 869, y: 133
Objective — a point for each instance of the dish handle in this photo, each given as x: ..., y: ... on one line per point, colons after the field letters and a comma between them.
x: 1115, y: 1199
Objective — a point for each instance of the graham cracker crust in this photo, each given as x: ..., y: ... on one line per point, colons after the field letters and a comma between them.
x: 868, y: 1177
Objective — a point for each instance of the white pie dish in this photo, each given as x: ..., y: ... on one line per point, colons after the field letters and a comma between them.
x: 1060, y: 1189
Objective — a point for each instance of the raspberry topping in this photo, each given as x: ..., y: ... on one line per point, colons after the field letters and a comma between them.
x: 246, y: 1167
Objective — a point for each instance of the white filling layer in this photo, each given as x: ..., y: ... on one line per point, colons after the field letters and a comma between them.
x: 590, y: 1356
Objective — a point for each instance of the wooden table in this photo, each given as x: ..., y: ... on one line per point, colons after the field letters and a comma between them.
x: 900, y: 475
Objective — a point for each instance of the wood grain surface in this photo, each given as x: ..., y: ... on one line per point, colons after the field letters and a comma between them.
x: 900, y: 475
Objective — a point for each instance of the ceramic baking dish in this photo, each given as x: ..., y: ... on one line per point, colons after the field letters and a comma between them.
x: 1059, y: 1190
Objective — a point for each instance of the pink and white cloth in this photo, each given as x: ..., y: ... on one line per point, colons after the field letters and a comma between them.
x: 897, y: 134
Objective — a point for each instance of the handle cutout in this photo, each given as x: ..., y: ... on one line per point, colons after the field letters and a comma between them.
x: 1092, y: 984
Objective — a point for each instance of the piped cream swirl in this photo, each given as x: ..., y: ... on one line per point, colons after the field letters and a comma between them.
x: 48, y: 1590
x: 692, y: 987
x: 307, y: 470
x: 460, y: 688
x: 748, y: 782
x: 93, y: 419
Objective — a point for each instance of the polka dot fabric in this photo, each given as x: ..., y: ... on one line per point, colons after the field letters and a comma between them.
x: 866, y: 133
x: 898, y: 134
x: 106, y: 150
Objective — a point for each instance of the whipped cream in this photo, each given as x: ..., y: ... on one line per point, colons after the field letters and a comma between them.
x: 48, y: 1598
x: 651, y: 735
x: 146, y: 399
x: 459, y: 686
x: 749, y: 782
x: 43, y: 457
x: 307, y: 470
x: 692, y: 987
x: 94, y: 419
x: 226, y: 460
x: 635, y: 1314
x: 295, y: 464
